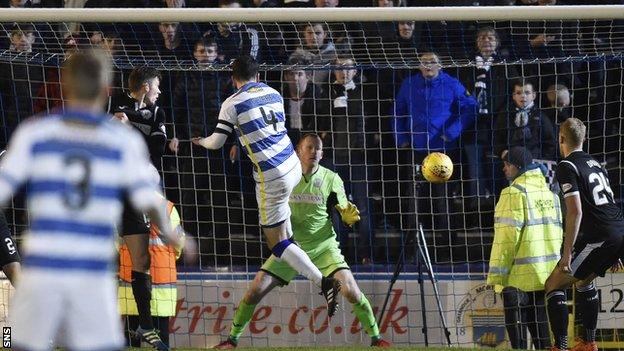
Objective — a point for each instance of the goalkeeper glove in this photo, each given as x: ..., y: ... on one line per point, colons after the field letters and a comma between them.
x: 349, y: 214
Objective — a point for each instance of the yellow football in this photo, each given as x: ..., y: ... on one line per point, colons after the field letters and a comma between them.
x: 437, y: 167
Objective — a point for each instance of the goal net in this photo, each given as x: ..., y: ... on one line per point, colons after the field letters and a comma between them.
x: 354, y: 77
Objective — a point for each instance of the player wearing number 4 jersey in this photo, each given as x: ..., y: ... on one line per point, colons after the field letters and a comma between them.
x: 593, y: 241
x: 314, y: 232
x: 77, y: 165
x: 256, y: 111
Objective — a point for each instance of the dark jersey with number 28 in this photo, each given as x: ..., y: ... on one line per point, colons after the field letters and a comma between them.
x: 579, y: 174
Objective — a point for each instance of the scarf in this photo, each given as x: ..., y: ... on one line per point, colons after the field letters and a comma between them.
x: 481, y: 82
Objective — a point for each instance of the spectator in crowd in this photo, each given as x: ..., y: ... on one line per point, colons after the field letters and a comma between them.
x: 432, y: 109
x: 298, y: 3
x: 316, y: 43
x: 49, y: 96
x: 22, y: 38
x: 524, y: 125
x: 352, y: 112
x: 265, y: 3
x: 172, y: 46
x: 559, y: 100
x: 236, y: 38
x: 305, y: 103
x: 524, y: 253
x: 19, y: 81
x: 111, y: 43
x: 338, y: 31
x: 197, y: 98
x: 488, y: 82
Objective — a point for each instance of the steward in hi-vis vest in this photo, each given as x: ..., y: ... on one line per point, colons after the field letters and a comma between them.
x: 527, y: 240
x: 164, y: 278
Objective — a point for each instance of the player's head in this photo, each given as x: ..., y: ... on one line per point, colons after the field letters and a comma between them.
x: 516, y: 161
x: 310, y: 150
x: 86, y: 77
x: 571, y: 135
x: 429, y: 65
x: 145, y: 81
x: 523, y: 93
x: 244, y: 69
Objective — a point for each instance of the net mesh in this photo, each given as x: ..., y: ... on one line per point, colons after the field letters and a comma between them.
x: 346, y: 82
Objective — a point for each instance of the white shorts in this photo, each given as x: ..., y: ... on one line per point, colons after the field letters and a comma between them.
x: 272, y: 197
x: 82, y: 307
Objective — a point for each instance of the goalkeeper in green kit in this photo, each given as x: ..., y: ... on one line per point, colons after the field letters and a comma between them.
x: 313, y: 231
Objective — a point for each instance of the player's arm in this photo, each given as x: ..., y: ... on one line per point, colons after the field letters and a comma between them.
x: 225, y: 127
x: 16, y: 162
x: 567, y: 177
x: 574, y: 213
x: 349, y: 213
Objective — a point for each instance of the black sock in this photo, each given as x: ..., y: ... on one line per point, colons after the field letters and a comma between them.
x: 142, y: 290
x: 589, y: 307
x: 558, y: 316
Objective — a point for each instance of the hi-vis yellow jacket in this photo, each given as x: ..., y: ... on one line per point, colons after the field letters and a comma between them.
x: 163, y: 272
x: 527, y: 234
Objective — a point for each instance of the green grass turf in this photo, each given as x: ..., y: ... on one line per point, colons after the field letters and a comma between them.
x: 330, y: 348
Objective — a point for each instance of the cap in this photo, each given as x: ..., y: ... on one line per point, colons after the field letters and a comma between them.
x: 519, y: 157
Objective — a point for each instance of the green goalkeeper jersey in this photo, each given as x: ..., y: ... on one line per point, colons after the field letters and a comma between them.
x: 308, y: 202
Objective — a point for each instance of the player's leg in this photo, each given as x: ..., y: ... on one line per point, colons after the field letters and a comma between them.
x: 12, y: 271
x: 274, y: 211
x: 262, y: 284
x: 138, y: 246
x: 279, y: 241
x: 93, y: 321
x: 37, y: 310
x: 556, y: 302
x: 361, y: 306
x: 589, y: 307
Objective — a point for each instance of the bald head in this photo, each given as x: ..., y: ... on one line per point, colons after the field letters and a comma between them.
x: 86, y: 77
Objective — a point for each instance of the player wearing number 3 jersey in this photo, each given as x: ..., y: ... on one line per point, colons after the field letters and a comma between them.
x: 256, y: 112
x: 594, y: 236
x: 77, y: 165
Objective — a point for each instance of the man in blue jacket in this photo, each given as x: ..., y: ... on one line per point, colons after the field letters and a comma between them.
x: 431, y: 111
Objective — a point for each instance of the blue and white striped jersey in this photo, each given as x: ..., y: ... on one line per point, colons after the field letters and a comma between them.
x: 76, y: 167
x: 256, y: 111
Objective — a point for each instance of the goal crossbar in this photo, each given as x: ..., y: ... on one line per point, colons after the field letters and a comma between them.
x: 460, y: 13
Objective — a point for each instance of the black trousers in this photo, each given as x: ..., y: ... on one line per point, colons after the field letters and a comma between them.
x: 526, y: 310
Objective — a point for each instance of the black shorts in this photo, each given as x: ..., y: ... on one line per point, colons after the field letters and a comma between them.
x: 8, y: 249
x: 133, y: 222
x: 596, y: 257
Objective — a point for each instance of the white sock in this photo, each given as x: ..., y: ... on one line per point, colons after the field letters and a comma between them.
x: 299, y: 261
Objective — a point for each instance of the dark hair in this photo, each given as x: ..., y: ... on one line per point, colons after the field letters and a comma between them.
x: 140, y: 76
x: 206, y: 41
x: 521, y: 83
x: 86, y: 74
x: 18, y: 29
x: 244, y: 68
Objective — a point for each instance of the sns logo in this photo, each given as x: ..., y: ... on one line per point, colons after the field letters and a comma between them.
x: 6, y: 337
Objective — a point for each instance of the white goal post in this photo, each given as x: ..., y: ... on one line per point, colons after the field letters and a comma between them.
x: 459, y: 13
